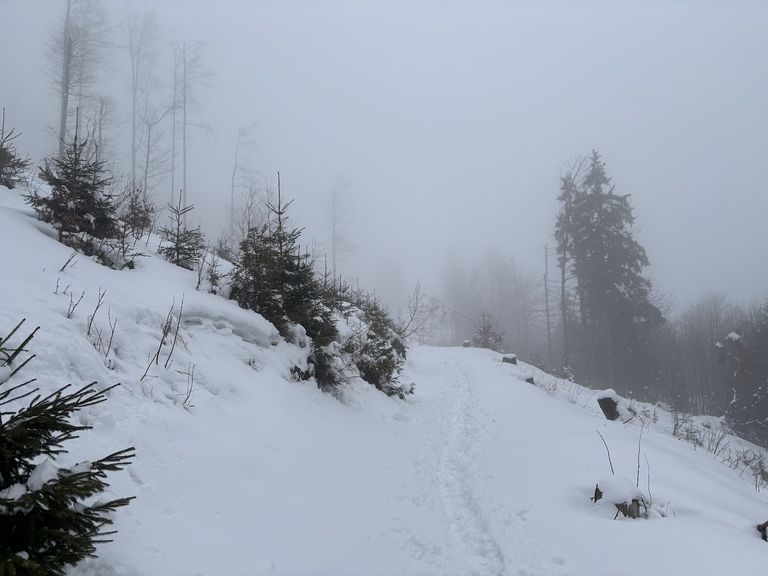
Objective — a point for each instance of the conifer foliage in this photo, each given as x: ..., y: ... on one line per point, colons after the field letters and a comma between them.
x: 272, y: 277
x: 597, y: 245
x: 48, y: 517
x: 487, y: 334
x: 382, y: 353
x: 80, y: 206
x: 137, y: 212
x: 371, y: 343
x: 12, y: 166
x: 182, y: 245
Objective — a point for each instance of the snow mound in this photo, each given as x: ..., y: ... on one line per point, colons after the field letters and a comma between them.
x: 608, y: 393
x: 619, y: 489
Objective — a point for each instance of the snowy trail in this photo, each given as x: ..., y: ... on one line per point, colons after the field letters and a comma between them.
x: 481, y: 553
x: 462, y: 485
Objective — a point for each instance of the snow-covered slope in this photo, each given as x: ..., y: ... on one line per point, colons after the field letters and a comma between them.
x: 477, y: 473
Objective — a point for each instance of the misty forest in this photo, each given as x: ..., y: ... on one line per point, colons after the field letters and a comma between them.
x: 348, y: 288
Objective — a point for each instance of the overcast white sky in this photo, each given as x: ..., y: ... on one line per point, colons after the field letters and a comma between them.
x: 451, y: 121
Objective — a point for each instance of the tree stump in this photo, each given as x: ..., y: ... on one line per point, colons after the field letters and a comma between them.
x: 623, y: 494
x: 609, y: 407
x: 509, y: 359
x: 631, y: 510
x: 467, y: 344
x: 763, y: 529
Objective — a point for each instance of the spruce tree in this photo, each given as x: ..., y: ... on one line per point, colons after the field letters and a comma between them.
x: 487, y: 334
x: 255, y: 277
x: 380, y: 357
x: 137, y: 212
x: 273, y: 278
x: 48, y: 518
x: 79, y: 206
x: 183, y: 245
x: 618, y: 315
x: 12, y: 166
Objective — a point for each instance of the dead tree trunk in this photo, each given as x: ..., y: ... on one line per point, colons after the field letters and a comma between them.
x: 66, y: 67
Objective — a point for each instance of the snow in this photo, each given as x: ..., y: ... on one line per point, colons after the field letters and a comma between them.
x: 608, y: 393
x: 733, y: 336
x: 619, y: 489
x: 14, y: 492
x: 44, y: 472
x: 244, y: 471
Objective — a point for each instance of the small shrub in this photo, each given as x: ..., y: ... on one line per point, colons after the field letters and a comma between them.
x: 137, y: 212
x: 487, y: 334
x: 183, y: 245
x: 48, y: 519
x: 12, y: 166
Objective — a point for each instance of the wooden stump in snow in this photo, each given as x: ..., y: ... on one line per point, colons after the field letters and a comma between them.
x: 609, y: 404
x: 631, y: 510
x: 509, y: 359
x: 763, y: 529
x: 466, y: 344
x: 621, y: 493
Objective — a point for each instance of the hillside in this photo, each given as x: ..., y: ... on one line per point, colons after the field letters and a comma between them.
x: 241, y: 470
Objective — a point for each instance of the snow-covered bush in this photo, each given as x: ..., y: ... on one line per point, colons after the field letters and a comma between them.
x: 373, y: 345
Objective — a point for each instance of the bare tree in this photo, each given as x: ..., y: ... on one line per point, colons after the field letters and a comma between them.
x: 77, y: 52
x: 339, y: 210
x: 174, y: 107
x: 60, y: 58
x: 155, y: 158
x: 251, y: 210
x: 418, y: 315
x: 140, y: 35
x: 571, y: 179
x: 529, y: 313
x: 700, y: 326
x: 189, y: 74
x: 100, y: 122
x: 240, y: 171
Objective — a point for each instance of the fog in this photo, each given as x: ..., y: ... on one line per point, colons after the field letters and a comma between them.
x: 452, y: 121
